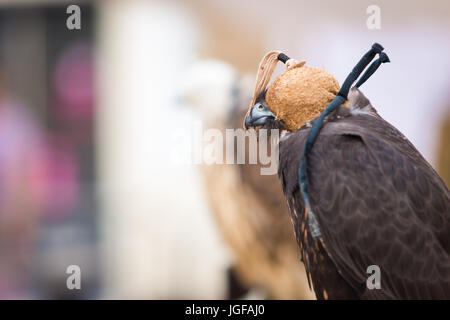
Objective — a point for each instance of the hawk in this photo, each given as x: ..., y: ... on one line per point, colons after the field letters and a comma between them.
x: 359, y: 193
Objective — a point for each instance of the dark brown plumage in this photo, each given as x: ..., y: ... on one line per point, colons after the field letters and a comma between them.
x: 377, y: 202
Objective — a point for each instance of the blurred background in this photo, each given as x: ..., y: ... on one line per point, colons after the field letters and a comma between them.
x: 94, y: 120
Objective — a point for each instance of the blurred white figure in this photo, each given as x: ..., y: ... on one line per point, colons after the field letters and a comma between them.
x: 209, y: 87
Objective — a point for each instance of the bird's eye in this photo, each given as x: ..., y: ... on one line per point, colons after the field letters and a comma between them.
x: 260, y: 107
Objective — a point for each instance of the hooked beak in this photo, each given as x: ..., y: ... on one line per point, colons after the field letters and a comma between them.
x: 258, y: 116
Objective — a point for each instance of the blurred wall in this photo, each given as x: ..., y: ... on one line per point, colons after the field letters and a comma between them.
x: 158, y: 236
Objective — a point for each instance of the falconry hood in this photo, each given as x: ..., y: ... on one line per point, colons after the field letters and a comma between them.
x: 302, y: 92
x: 297, y: 95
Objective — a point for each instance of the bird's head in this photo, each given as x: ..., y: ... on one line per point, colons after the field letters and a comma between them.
x: 296, y: 96
x: 260, y: 113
